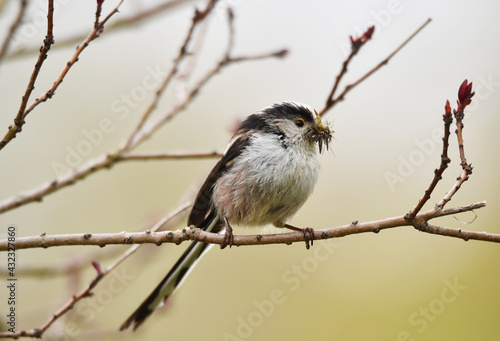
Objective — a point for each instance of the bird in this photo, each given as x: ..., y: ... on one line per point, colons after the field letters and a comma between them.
x: 268, y: 171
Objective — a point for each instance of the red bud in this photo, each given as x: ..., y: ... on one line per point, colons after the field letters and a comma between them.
x: 447, y: 108
x: 464, y: 94
x: 356, y: 43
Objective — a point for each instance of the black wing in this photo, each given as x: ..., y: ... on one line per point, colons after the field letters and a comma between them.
x: 202, y: 207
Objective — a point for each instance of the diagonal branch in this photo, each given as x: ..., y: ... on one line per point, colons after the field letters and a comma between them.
x: 198, y: 17
x: 332, y: 102
x: 129, y: 22
x: 107, y: 161
x: 49, y: 40
x: 438, y: 173
x: 356, y: 45
x: 87, y: 291
x: 103, y: 162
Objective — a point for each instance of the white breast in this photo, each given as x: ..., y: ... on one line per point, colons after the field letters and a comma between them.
x: 268, y: 182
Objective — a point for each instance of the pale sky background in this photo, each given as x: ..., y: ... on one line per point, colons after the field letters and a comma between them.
x: 399, y: 284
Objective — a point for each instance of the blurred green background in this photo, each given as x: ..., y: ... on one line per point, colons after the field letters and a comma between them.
x: 399, y: 284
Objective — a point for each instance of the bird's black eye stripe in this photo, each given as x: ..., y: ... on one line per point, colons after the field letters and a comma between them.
x: 299, y: 122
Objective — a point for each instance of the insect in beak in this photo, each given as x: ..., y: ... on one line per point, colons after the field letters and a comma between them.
x: 321, y: 134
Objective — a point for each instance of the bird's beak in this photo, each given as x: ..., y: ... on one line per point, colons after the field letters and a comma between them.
x: 320, y: 123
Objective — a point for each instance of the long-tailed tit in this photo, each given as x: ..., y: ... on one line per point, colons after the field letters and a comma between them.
x: 266, y: 174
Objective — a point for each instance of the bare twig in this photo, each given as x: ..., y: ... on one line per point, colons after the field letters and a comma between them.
x: 445, y: 160
x: 98, y: 13
x: 87, y: 291
x: 464, y: 99
x: 356, y: 45
x: 103, y: 162
x: 198, y: 17
x: 332, y: 102
x: 129, y: 22
x: 176, y: 109
x: 108, y: 160
x: 186, y: 72
x: 420, y: 222
x: 47, y: 42
x: 12, y: 29
x: 170, y: 155
x: 23, y: 111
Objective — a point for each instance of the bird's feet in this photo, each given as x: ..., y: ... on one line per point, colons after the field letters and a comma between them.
x: 308, y: 233
x: 228, y: 235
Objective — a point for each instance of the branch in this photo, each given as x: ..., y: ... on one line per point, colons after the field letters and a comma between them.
x: 330, y: 103
x: 87, y: 291
x: 183, y: 51
x: 356, y: 45
x: 103, y: 162
x: 464, y: 99
x: 143, y: 132
x: 49, y: 40
x: 107, y: 161
x: 445, y: 160
x: 191, y: 233
x: 170, y: 155
x: 130, y: 22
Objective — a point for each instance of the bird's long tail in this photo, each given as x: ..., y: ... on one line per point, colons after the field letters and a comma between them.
x: 168, y: 285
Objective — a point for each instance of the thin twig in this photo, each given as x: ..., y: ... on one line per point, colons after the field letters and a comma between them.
x: 23, y: 111
x: 12, y: 29
x: 185, y: 234
x: 356, y: 45
x: 47, y: 42
x: 465, y: 95
x: 87, y: 291
x: 130, y: 22
x: 108, y: 160
x: 183, y: 51
x: 186, y: 72
x: 170, y: 155
x: 103, y: 162
x: 142, y: 133
x: 438, y: 173
x: 177, y: 108
x: 351, y: 86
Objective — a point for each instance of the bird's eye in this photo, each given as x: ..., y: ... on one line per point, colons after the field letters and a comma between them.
x: 299, y: 122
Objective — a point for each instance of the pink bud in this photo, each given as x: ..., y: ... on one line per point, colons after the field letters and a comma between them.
x: 97, y: 267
